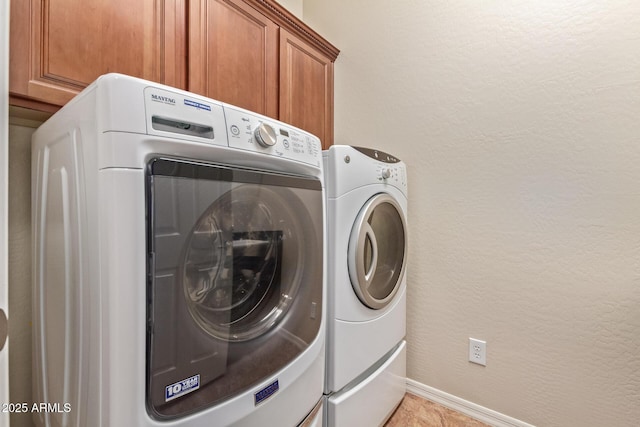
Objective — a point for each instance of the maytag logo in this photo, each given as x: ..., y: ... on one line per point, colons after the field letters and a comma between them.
x: 266, y: 392
x: 165, y: 99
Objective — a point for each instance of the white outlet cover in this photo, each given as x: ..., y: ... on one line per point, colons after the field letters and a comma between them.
x: 478, y: 351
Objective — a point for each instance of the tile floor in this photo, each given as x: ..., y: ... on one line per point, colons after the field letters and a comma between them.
x: 415, y: 411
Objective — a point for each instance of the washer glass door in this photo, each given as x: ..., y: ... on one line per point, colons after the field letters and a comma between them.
x: 235, y: 280
x: 377, y: 251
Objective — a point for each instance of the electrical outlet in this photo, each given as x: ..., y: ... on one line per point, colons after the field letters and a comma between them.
x: 478, y: 351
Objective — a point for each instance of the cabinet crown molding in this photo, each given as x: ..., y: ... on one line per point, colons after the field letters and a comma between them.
x: 287, y: 20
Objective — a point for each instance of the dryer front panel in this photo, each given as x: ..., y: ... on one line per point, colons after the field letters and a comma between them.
x: 235, y: 280
x: 377, y: 251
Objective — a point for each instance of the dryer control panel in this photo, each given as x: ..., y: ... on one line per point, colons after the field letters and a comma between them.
x: 378, y: 155
x: 386, y: 167
x: 396, y: 175
x: 352, y: 167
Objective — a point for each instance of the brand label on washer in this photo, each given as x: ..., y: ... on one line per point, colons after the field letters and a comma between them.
x: 266, y: 392
x: 181, y: 388
x: 164, y: 99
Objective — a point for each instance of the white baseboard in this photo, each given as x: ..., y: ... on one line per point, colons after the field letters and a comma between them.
x: 470, y: 409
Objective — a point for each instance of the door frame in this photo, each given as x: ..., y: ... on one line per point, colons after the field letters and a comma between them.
x: 4, y: 202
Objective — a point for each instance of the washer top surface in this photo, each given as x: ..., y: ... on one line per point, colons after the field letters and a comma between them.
x: 117, y: 104
x: 348, y: 168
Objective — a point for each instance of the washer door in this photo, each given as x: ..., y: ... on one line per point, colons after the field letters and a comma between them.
x: 377, y: 251
x: 232, y: 265
x: 234, y: 280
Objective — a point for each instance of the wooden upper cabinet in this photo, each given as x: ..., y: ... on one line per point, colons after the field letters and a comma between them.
x: 251, y: 53
x: 233, y: 55
x: 306, y: 87
x: 58, y: 47
x: 305, y: 62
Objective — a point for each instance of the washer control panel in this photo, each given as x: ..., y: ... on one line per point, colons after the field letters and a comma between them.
x: 253, y: 132
x: 183, y: 115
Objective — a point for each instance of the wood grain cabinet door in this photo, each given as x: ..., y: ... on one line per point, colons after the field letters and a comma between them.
x: 306, y: 87
x: 233, y: 55
x: 60, y: 46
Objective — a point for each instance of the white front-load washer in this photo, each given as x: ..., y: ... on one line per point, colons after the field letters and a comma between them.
x: 366, y: 193
x: 178, y: 263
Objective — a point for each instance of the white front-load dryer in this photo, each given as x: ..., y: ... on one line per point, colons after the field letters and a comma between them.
x: 366, y: 286
x: 178, y: 263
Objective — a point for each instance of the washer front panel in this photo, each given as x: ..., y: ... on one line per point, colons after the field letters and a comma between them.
x: 235, y: 281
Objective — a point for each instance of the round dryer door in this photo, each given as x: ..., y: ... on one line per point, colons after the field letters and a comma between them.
x: 377, y: 251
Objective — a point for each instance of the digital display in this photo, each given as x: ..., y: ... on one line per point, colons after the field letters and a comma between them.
x: 284, y: 132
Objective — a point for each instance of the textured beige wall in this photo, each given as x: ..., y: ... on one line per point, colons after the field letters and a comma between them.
x: 520, y: 125
x: 20, y: 269
x: 293, y: 6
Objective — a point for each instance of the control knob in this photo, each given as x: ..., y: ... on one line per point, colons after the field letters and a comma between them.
x: 386, y: 173
x: 265, y: 135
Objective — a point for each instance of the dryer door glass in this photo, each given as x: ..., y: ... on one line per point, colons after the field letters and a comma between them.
x: 377, y: 251
x: 235, y: 280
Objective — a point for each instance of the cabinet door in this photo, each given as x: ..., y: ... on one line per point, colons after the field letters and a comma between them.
x: 60, y: 46
x: 306, y: 88
x: 233, y: 51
